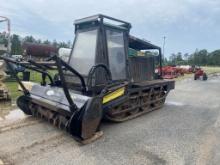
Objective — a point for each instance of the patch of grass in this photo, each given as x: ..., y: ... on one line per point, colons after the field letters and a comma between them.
x: 207, y: 69
x: 211, y: 70
x: 13, y: 85
x: 13, y: 89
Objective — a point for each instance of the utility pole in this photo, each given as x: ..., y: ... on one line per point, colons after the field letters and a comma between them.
x: 8, y: 35
x: 164, y: 42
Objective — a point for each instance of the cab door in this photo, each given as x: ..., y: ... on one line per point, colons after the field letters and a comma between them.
x: 116, y: 53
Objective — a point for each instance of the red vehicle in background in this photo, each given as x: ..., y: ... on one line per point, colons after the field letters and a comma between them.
x: 200, y: 74
x: 168, y: 72
x: 171, y: 72
x: 187, y: 69
x: 180, y: 71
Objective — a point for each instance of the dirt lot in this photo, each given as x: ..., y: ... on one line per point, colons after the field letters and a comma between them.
x: 185, y: 131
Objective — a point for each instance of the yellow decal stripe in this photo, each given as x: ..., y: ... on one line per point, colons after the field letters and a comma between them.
x: 113, y: 95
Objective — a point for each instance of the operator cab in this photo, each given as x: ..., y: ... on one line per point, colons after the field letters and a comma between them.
x: 99, y: 40
x: 101, y: 51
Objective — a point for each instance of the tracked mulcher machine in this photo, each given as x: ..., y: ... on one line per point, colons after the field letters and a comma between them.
x: 101, y: 80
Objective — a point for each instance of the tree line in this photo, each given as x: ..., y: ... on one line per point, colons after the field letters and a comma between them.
x: 17, y: 41
x: 199, y: 57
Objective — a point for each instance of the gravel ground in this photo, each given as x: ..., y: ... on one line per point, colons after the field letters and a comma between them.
x: 185, y: 131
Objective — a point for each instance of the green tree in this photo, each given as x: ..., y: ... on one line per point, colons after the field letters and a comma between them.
x: 47, y: 42
x: 55, y: 44
x: 214, y: 58
x: 203, y: 57
x: 179, y: 57
x: 39, y: 41
x: 15, y: 45
x: 172, y: 59
x: 186, y: 56
x: 63, y: 45
x: 29, y: 39
x: 69, y: 44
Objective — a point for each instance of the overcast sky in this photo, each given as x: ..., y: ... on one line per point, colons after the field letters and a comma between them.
x: 187, y: 24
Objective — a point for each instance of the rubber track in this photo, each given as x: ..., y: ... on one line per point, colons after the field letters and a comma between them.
x: 139, y: 113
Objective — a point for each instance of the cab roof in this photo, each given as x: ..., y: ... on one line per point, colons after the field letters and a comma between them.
x: 140, y: 44
x: 105, y: 20
x: 134, y: 42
